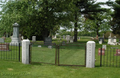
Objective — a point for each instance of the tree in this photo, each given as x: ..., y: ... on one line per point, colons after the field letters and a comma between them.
x: 98, y: 22
x: 35, y: 17
x: 86, y: 8
x: 115, y: 21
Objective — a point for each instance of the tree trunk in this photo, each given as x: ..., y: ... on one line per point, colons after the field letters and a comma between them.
x: 75, y: 28
x: 45, y: 33
x: 97, y: 29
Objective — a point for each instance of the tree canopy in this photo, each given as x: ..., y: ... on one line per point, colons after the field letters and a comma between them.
x: 115, y: 21
x: 36, y: 17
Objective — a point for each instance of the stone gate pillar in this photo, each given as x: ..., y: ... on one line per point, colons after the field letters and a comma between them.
x: 25, y: 51
x: 90, y: 54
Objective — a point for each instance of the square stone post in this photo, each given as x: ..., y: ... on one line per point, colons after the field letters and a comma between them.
x: 90, y: 54
x: 25, y: 51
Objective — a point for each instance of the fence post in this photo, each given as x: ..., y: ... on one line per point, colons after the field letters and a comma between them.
x: 25, y: 51
x: 19, y: 52
x: 101, y: 57
x: 90, y: 54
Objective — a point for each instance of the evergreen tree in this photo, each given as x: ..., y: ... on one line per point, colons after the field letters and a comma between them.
x: 115, y: 22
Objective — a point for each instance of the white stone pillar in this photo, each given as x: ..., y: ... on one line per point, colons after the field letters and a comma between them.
x: 25, y: 51
x: 90, y: 54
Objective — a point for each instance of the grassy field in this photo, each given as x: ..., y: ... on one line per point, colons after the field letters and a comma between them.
x: 68, y: 55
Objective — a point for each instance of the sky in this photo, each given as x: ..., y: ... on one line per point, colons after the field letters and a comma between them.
x: 104, y: 1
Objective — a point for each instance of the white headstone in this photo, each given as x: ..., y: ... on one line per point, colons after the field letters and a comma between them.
x: 50, y: 47
x: 114, y: 40
x: 68, y: 38
x: 100, y: 42
x: 71, y: 39
x: 55, y: 37
x: 25, y: 51
x: 109, y: 41
x: 22, y: 37
x: 33, y: 38
x: 104, y: 46
x: 90, y: 54
x: 39, y: 46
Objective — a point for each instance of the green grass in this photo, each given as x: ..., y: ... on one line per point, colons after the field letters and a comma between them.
x: 10, y: 69
x: 68, y: 55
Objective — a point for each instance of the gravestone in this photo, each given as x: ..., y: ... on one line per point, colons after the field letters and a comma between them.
x: 63, y: 36
x: 22, y: 37
x: 2, y: 40
x: 100, y: 42
x: 71, y: 39
x: 90, y: 54
x: 104, y: 46
x: 68, y: 38
x: 50, y: 47
x: 78, y: 38
x: 63, y: 43
x: 15, y: 38
x: 114, y: 40
x: 4, y: 47
x: 39, y: 46
x: 48, y: 41
x: 55, y: 37
x: 102, y: 39
x: 33, y: 38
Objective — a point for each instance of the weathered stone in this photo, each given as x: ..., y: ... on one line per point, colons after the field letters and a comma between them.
x: 15, y: 38
x: 90, y: 55
x: 25, y: 51
x: 48, y: 41
x: 33, y: 38
x: 2, y: 40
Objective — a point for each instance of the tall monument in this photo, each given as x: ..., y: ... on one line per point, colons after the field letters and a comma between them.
x: 15, y: 37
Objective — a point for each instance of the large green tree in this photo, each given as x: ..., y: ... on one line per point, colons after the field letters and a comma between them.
x: 115, y: 21
x: 98, y: 22
x: 86, y: 8
x: 36, y: 17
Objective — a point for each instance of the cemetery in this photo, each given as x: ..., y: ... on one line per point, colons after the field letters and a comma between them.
x: 59, y: 39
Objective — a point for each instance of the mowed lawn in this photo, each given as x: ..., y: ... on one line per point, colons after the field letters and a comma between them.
x: 68, y: 55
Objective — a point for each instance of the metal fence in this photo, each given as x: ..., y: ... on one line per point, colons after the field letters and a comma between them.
x: 39, y: 53
x: 109, y: 57
x: 9, y: 52
x: 72, y: 54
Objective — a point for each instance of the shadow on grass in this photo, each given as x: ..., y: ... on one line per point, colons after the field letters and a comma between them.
x: 41, y: 63
x: 97, y: 66
x: 35, y: 63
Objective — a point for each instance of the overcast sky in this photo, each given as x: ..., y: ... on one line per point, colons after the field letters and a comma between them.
x: 104, y: 1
